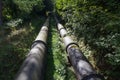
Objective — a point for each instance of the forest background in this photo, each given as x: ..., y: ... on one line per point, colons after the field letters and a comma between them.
x: 95, y: 24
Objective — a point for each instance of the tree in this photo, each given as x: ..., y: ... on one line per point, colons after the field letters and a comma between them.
x: 28, y: 5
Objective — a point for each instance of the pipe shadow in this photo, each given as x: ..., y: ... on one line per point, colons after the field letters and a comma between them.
x: 50, y: 62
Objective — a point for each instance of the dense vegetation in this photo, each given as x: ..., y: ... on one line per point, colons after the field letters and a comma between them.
x: 94, y: 24
x: 97, y: 25
x: 17, y: 32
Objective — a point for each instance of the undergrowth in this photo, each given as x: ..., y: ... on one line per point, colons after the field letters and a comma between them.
x: 55, y: 65
x: 15, y: 45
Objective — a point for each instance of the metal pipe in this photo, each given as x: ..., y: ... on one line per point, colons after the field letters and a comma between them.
x: 34, y: 64
x: 82, y: 67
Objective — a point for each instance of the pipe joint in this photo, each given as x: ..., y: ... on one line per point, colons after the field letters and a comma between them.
x: 38, y: 41
x: 71, y: 44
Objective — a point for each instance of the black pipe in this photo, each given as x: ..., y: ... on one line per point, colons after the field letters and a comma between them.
x: 82, y: 67
x: 33, y: 66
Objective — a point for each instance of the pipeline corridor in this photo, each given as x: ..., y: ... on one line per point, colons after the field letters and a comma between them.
x: 34, y: 66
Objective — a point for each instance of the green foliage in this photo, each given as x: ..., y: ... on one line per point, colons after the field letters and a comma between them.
x: 97, y: 23
x: 21, y: 9
x: 55, y: 59
x: 28, y: 5
x: 9, y: 10
x: 14, y: 46
x: 14, y: 23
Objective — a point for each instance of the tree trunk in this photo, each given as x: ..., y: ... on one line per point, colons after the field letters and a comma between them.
x: 0, y: 12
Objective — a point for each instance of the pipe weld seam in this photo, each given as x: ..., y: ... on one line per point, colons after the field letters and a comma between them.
x: 61, y: 28
x: 38, y: 41
x: 70, y: 45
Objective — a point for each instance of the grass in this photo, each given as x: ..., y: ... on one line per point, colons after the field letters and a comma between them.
x: 57, y: 68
